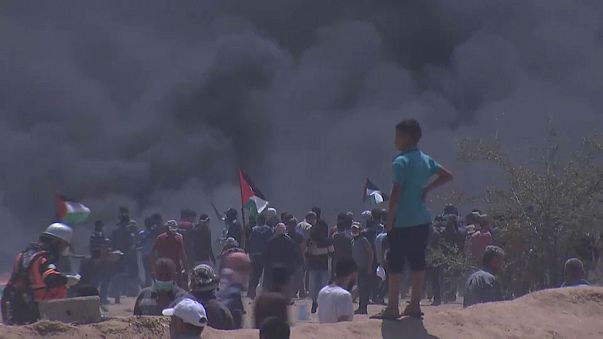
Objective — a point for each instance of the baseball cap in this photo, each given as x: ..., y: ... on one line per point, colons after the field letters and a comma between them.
x: 189, y: 311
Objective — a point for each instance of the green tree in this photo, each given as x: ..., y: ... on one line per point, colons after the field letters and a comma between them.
x: 546, y: 210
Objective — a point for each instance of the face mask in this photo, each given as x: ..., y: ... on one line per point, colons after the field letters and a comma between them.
x: 65, y: 251
x: 165, y: 286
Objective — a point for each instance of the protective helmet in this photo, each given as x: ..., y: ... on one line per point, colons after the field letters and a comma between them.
x: 59, y: 231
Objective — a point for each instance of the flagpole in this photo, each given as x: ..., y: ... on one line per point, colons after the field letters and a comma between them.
x: 244, y: 228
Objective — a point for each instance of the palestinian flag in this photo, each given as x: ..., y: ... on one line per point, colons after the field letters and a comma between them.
x: 70, y: 212
x: 373, y: 193
x: 251, y: 197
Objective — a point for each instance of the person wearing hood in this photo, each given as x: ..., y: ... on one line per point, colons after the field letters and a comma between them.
x: 164, y: 291
x: 203, y: 285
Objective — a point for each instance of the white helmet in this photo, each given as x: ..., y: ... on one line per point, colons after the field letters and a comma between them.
x: 59, y: 231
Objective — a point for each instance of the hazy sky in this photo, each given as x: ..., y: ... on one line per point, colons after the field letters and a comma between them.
x: 155, y: 104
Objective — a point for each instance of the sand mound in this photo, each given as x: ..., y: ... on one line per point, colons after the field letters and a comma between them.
x: 557, y: 313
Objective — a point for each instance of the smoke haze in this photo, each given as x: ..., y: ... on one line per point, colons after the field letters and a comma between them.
x: 156, y: 104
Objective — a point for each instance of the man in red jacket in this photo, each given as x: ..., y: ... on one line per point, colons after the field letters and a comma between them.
x: 170, y: 245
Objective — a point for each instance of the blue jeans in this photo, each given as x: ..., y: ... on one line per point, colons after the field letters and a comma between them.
x: 318, y: 280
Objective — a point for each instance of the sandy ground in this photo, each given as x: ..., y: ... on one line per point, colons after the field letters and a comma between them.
x: 557, y: 313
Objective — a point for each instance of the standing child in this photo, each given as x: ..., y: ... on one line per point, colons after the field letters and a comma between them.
x: 408, y: 219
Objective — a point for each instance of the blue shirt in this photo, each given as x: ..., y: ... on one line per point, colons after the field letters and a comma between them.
x: 412, y: 169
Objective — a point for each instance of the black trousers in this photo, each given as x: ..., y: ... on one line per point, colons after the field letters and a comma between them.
x: 434, y: 277
x: 364, y: 288
x: 257, y: 269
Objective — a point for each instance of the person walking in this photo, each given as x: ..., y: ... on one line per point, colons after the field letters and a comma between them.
x: 258, y: 241
x: 362, y: 252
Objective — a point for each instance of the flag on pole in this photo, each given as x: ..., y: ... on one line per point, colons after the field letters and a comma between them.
x: 251, y: 197
x: 373, y: 193
x: 70, y: 212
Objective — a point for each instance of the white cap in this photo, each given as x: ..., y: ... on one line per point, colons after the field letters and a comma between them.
x: 189, y: 311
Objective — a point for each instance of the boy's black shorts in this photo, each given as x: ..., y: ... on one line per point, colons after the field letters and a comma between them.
x: 409, y: 243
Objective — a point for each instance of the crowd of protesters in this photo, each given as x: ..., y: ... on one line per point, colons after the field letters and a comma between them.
x: 172, y: 267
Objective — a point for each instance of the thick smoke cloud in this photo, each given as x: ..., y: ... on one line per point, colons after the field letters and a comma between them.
x: 155, y: 104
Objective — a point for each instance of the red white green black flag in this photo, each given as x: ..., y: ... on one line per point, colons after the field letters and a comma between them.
x: 70, y: 212
x: 251, y: 197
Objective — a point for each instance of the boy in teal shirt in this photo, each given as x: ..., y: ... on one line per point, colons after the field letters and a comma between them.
x: 408, y: 219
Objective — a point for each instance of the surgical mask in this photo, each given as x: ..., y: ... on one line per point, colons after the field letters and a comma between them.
x: 65, y: 251
x: 165, y: 286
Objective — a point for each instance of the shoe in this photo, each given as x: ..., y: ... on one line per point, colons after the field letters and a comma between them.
x: 387, y: 314
x: 359, y: 311
x: 314, y: 307
x: 410, y: 311
x: 436, y: 303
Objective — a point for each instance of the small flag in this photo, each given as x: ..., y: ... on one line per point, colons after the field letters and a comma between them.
x: 251, y: 197
x: 70, y: 212
x: 372, y: 192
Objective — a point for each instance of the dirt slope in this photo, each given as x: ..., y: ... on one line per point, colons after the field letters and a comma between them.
x: 558, y: 313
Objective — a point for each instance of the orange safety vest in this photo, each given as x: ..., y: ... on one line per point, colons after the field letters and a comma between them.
x: 40, y: 291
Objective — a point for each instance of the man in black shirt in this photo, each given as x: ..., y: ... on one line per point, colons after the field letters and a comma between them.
x: 281, y: 251
x: 235, y: 230
x: 319, y: 249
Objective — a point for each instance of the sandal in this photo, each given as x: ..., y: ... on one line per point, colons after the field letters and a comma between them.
x: 386, y: 314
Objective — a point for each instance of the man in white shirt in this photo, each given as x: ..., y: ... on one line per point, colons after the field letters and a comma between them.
x: 334, y: 300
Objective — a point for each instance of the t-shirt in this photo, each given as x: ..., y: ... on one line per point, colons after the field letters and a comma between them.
x: 170, y: 246
x: 333, y: 303
x: 412, y: 169
x: 319, y: 247
x: 342, y: 243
